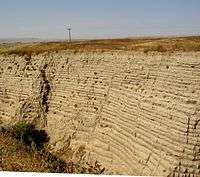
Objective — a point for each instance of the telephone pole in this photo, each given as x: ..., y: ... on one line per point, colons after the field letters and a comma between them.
x: 69, y: 34
x: 70, y: 37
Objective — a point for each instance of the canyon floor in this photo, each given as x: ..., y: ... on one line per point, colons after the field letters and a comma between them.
x: 129, y: 106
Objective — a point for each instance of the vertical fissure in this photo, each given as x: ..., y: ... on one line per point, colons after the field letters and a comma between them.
x: 45, y: 90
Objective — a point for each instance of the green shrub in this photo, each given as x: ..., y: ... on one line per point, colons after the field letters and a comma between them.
x: 28, y: 134
x: 19, y: 129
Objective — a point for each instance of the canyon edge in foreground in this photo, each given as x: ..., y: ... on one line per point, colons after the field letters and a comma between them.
x: 134, y: 113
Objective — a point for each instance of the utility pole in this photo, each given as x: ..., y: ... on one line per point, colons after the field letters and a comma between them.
x: 70, y: 37
x: 69, y: 34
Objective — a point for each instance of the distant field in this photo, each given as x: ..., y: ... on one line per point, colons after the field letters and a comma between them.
x: 185, y: 44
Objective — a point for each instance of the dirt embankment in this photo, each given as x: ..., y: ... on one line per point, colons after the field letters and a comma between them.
x: 135, y: 113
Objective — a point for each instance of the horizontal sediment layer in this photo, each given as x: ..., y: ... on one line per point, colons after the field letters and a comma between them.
x: 136, y: 114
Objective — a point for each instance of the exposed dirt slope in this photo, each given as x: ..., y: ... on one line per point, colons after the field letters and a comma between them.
x: 135, y: 113
x: 15, y: 157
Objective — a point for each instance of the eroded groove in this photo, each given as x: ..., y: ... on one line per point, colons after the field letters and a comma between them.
x: 45, y: 89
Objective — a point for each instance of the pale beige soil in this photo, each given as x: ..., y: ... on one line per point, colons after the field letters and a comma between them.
x: 135, y: 113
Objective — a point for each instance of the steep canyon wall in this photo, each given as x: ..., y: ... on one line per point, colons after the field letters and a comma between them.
x: 136, y: 114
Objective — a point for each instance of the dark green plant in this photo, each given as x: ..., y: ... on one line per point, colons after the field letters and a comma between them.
x: 26, y: 133
x: 19, y: 129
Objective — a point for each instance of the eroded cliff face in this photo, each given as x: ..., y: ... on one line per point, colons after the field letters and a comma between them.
x: 135, y: 114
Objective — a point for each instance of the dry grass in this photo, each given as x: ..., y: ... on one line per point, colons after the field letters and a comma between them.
x: 18, y: 155
x: 184, y: 44
x: 14, y: 156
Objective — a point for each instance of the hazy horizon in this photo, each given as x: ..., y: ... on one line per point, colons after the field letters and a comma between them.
x: 92, y: 19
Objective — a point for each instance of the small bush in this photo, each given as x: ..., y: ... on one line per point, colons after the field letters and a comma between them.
x: 158, y: 48
x: 27, y: 134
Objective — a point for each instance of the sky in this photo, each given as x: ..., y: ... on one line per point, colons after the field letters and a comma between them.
x: 98, y: 18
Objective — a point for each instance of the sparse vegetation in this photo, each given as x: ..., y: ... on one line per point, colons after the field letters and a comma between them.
x: 158, y: 48
x: 23, y: 148
x: 184, y: 44
x: 26, y: 133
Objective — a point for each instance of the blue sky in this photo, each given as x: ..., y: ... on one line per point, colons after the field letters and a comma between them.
x: 98, y: 18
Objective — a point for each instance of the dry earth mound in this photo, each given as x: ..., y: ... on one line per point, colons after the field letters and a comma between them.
x: 135, y: 113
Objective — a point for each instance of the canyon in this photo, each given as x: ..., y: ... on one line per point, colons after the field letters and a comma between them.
x: 135, y: 113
